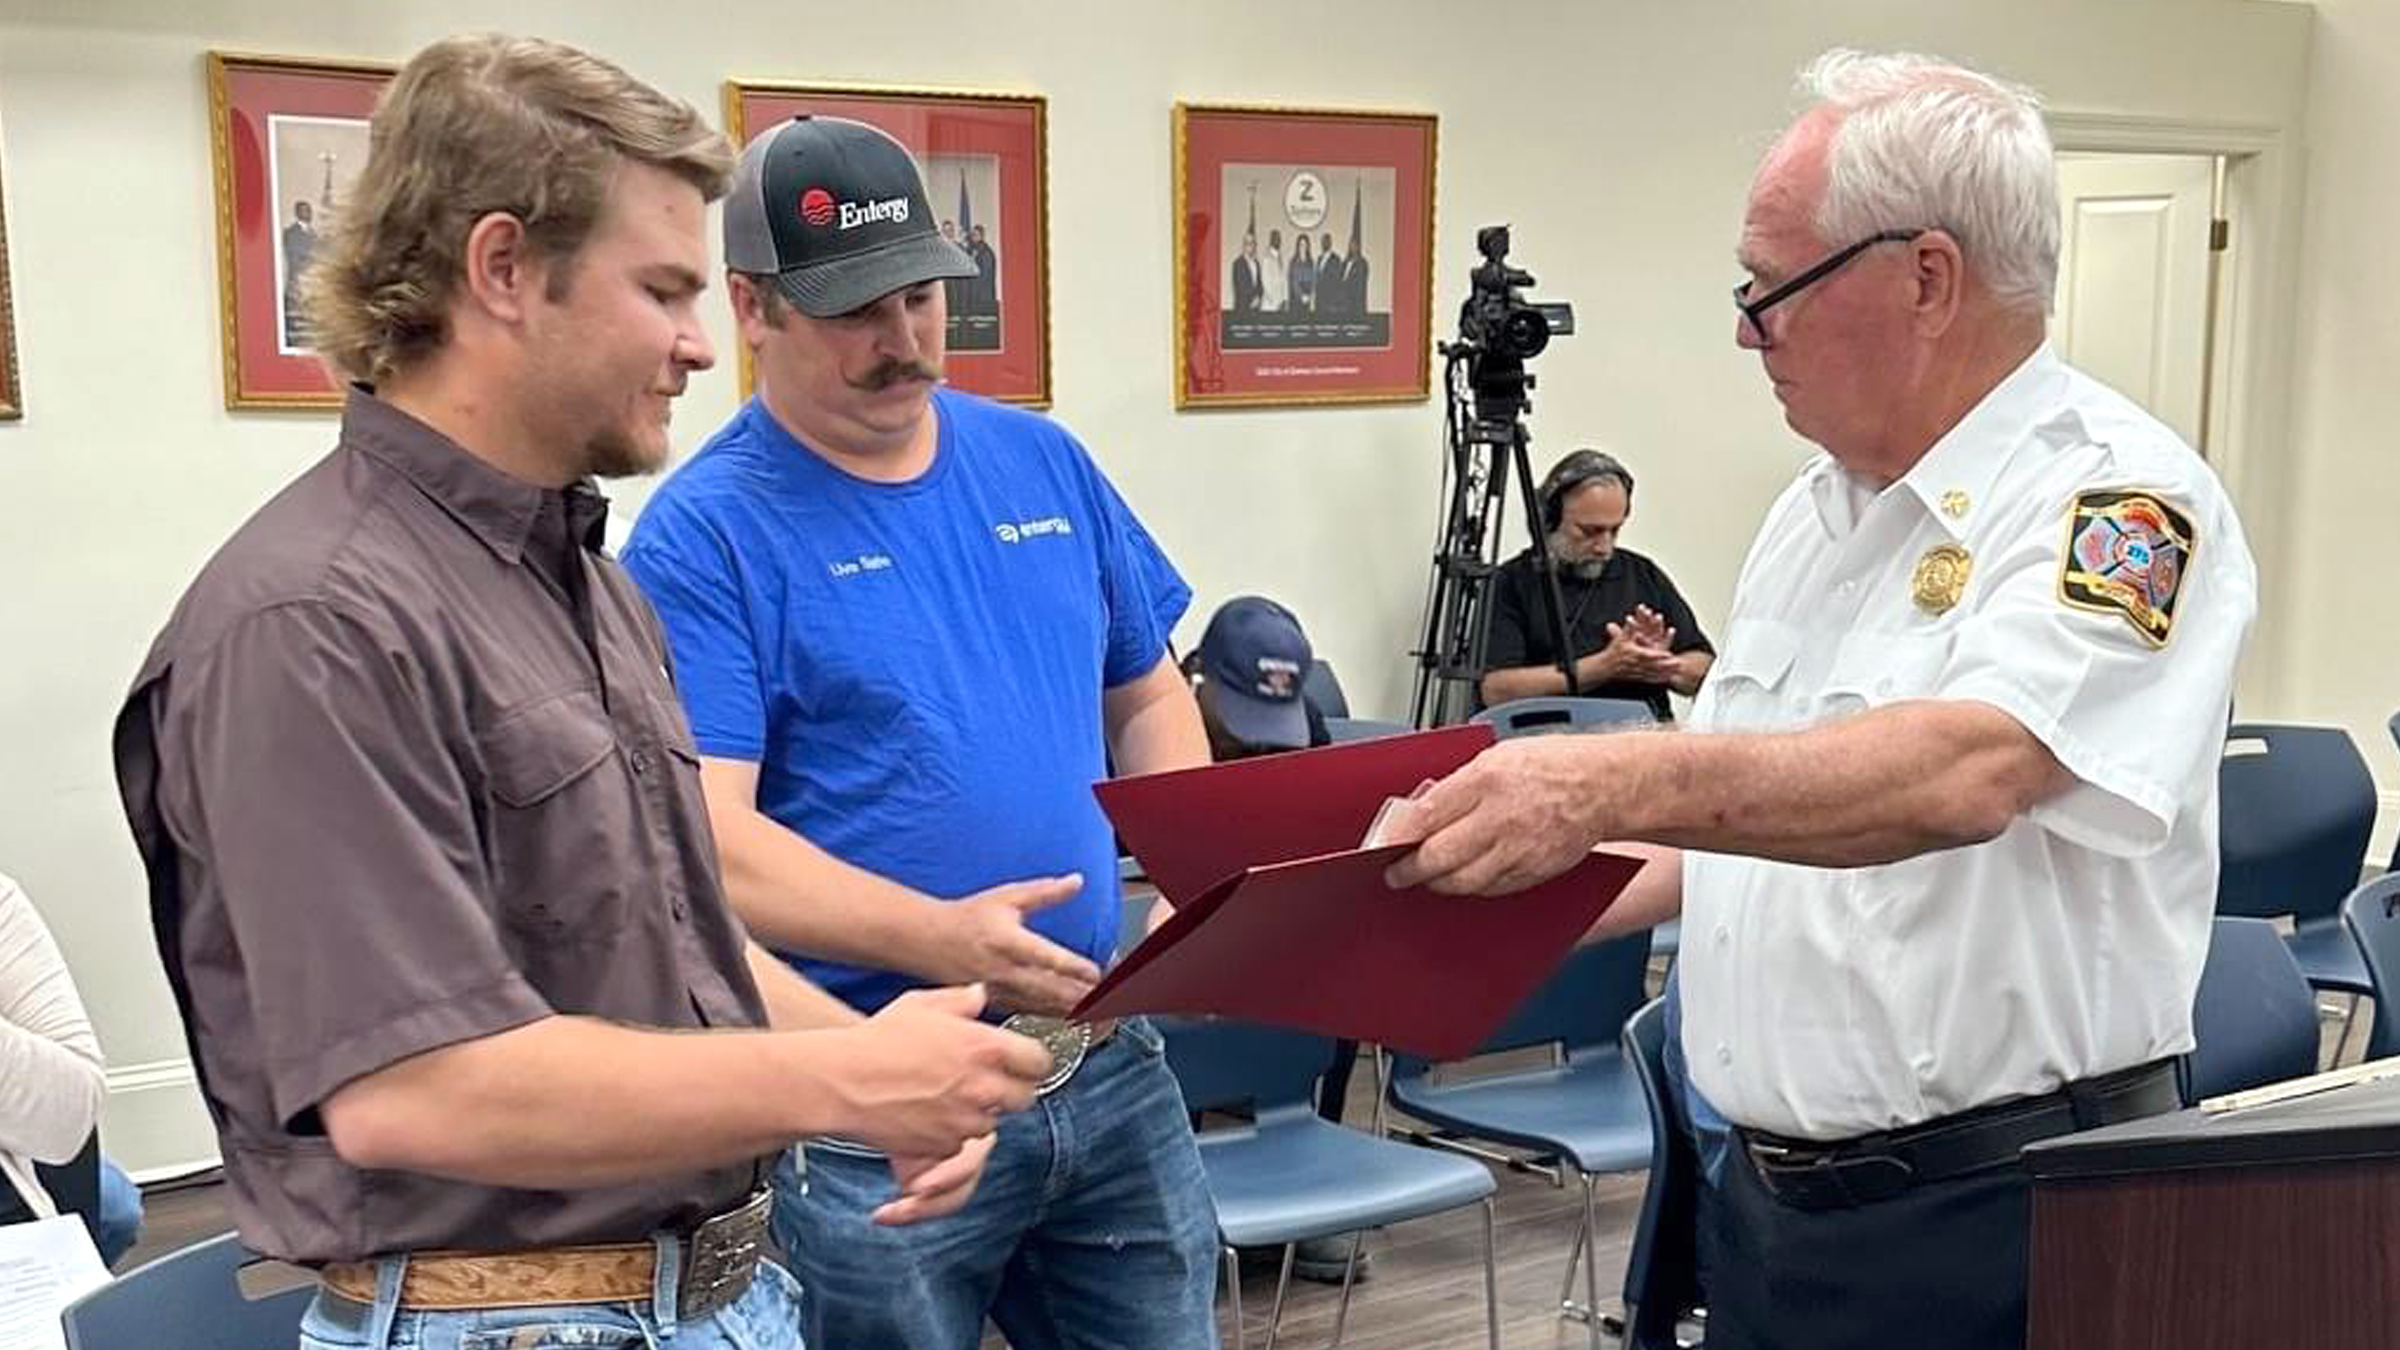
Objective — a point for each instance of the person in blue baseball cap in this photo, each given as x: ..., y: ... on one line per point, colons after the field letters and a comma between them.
x: 1251, y: 662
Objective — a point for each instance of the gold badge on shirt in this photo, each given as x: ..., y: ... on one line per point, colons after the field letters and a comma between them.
x: 1941, y: 577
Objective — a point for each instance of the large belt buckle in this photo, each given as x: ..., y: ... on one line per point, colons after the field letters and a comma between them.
x: 1066, y: 1041
x: 721, y: 1257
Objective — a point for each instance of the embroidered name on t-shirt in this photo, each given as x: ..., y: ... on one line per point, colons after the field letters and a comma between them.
x: 865, y: 562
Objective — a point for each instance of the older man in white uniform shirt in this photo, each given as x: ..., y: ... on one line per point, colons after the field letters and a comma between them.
x: 1951, y: 828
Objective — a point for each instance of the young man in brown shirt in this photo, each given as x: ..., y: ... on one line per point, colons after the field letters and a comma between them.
x: 430, y: 866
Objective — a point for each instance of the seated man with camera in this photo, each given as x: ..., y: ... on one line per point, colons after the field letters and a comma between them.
x: 1628, y: 629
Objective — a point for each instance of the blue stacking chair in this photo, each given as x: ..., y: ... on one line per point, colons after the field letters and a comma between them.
x: 190, y: 1300
x: 1323, y: 691
x: 1585, y: 1109
x: 2254, y: 1020
x: 1362, y: 728
x: 1662, y: 1271
x: 1551, y: 713
x: 1290, y: 1174
x: 2295, y: 812
x: 2372, y: 914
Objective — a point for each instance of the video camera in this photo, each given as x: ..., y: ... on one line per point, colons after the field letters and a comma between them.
x: 1499, y: 330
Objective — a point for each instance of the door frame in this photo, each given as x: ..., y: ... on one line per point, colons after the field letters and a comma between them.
x: 2250, y: 382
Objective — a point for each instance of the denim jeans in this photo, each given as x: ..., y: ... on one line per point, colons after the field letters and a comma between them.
x: 765, y: 1317
x: 119, y: 1223
x: 1091, y: 1229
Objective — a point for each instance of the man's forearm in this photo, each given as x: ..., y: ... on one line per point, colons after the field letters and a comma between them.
x: 569, y: 1102
x: 1686, y: 670
x: 1515, y: 682
x: 1885, y: 785
x: 793, y: 1003
x: 794, y: 896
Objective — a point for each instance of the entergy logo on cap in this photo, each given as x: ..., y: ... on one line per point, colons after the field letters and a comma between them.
x: 816, y: 206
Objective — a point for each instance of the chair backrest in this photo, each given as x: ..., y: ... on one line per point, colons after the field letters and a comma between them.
x: 1584, y: 1003
x: 191, y: 1300
x: 1662, y: 1270
x: 2372, y: 914
x: 1362, y: 728
x: 1223, y: 1064
x: 1552, y: 713
x: 2394, y: 727
x: 2254, y: 1019
x: 2295, y: 805
x: 1320, y: 688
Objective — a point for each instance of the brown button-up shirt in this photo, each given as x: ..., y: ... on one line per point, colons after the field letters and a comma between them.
x: 406, y: 768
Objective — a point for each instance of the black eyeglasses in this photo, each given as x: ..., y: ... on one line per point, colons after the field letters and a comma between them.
x: 1755, y: 311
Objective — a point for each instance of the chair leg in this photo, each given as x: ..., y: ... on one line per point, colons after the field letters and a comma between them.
x: 1233, y: 1285
x: 1341, y: 1315
x: 2341, y: 1044
x: 1567, y: 1306
x: 1283, y: 1284
x: 1383, y: 1087
x: 1491, y: 1277
x: 1591, y: 1263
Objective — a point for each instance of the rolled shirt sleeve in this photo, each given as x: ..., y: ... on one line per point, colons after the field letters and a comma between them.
x: 2131, y: 719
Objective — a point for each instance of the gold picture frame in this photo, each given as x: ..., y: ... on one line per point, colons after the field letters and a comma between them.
x: 1257, y: 328
x: 280, y: 128
x: 986, y: 144
x: 12, y: 393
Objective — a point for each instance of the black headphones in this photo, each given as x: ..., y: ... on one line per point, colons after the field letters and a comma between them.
x: 1577, y: 469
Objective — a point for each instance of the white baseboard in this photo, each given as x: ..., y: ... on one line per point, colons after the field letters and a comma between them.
x: 153, y: 1123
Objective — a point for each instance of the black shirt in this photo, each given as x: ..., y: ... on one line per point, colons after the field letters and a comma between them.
x: 1519, y: 633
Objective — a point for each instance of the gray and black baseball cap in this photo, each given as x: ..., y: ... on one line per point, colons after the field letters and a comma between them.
x: 836, y: 211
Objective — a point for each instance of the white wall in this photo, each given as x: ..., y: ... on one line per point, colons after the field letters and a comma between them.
x: 1618, y: 138
x: 2343, y: 583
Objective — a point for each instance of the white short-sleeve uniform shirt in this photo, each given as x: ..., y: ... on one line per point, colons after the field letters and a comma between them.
x: 2106, y: 591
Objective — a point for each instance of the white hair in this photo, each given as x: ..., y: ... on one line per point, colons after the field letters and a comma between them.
x: 1924, y: 143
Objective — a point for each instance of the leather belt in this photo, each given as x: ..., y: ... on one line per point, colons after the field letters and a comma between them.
x: 719, y: 1258
x: 1812, y: 1175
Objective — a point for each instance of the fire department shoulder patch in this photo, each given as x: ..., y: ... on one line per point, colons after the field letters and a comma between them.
x: 2127, y: 553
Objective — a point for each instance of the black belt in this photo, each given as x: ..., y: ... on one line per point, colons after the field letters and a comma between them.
x: 1811, y: 1174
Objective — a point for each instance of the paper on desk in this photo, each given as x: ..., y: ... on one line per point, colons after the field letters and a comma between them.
x: 44, y: 1266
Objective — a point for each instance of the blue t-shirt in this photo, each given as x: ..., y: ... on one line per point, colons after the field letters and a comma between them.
x: 916, y: 667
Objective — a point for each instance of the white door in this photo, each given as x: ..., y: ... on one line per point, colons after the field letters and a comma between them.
x: 2133, y: 293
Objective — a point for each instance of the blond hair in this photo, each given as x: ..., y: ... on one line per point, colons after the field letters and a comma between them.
x: 470, y: 126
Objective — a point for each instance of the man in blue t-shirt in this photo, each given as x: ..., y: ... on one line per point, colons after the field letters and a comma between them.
x: 911, y: 628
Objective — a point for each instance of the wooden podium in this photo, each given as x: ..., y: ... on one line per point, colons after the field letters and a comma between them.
x: 2273, y: 1226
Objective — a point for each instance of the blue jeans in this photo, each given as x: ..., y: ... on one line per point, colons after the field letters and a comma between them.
x: 1091, y: 1230
x: 765, y: 1317
x: 119, y: 1223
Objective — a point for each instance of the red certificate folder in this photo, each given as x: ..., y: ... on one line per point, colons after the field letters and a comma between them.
x: 1194, y: 827
x: 1320, y: 942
